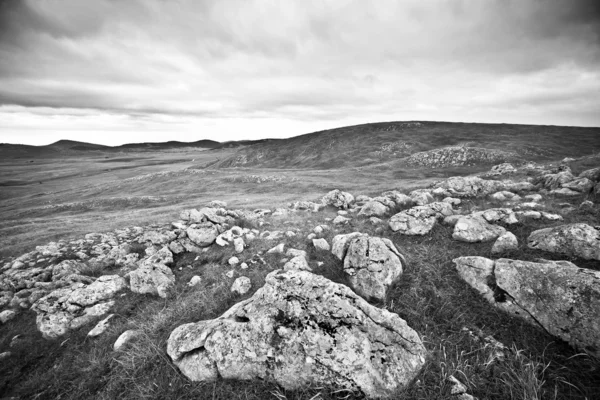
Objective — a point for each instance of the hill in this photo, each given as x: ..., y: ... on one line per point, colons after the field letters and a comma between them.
x: 414, y: 143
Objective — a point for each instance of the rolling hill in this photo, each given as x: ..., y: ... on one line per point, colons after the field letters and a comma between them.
x: 423, y: 144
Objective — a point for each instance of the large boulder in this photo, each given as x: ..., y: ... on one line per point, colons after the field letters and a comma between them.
x: 203, y: 234
x: 339, y: 199
x: 374, y: 208
x: 420, y: 220
x: 373, y: 265
x: 71, y: 307
x: 300, y: 330
x: 580, y: 240
x: 557, y: 295
x: 474, y: 228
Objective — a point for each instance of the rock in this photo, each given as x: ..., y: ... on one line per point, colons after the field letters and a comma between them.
x: 375, y: 220
x: 421, y: 197
x: 321, y: 244
x: 233, y: 261
x: 340, y: 244
x: 470, y: 186
x: 238, y: 244
x: 421, y: 219
x: 581, y: 185
x: 162, y: 256
x: 400, y: 199
x: 176, y: 247
x: 534, y: 197
x: 558, y: 296
x: 153, y: 279
x: 297, y: 263
x: 73, y: 306
x: 474, y: 228
x: 243, y: 265
x: 586, y: 204
x: 580, y: 240
x: 373, y: 208
x: 373, y: 265
x: 241, y: 285
x: 230, y: 274
x: 505, y: 242
x: 7, y: 315
x: 494, y: 215
x: 452, y: 201
x: 555, y: 181
x: 100, y: 327
x: 530, y: 214
x: 501, y: 169
x: 302, y: 330
x: 340, y: 220
x: 125, y: 338
x: 591, y: 174
x: 203, y: 235
x: 564, y: 192
x: 217, y: 204
x: 451, y: 220
x: 195, y: 281
x: 339, y: 199
x: 279, y: 249
x: 158, y: 237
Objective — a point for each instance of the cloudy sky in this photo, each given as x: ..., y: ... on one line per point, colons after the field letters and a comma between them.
x: 117, y: 71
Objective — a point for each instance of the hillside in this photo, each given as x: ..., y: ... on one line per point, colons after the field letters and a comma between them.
x: 424, y: 144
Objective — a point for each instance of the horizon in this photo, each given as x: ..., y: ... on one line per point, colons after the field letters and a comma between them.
x: 150, y: 71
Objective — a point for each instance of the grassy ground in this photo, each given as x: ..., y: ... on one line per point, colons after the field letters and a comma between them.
x: 429, y: 296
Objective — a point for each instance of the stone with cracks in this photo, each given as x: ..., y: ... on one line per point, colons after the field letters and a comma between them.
x: 580, y: 240
x: 339, y: 199
x: 558, y: 296
x: 301, y: 330
x: 203, y: 234
x: 373, y: 265
x: 340, y: 243
x: 470, y: 186
x: 152, y: 278
x: 71, y: 307
x: 420, y: 220
x: 474, y: 228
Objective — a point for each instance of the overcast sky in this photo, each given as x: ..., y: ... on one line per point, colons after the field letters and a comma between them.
x: 118, y: 71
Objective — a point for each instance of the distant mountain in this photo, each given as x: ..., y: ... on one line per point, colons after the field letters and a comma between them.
x: 418, y: 144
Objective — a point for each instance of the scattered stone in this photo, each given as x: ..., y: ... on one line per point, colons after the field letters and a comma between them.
x: 244, y: 265
x: 558, y: 296
x: 230, y: 274
x: 241, y: 285
x: 340, y: 220
x: 373, y: 265
x: 505, y: 242
x: 153, y: 279
x: 474, y: 228
x: 586, y: 204
x: 125, y: 338
x: 238, y: 244
x: 321, y: 244
x: 302, y: 330
x: 339, y: 199
x: 279, y: 249
x: 233, y: 261
x: 100, y: 327
x: 580, y: 240
x: 7, y: 315
x: 195, y: 281
x: 421, y: 197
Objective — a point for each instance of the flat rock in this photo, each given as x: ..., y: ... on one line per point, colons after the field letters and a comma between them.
x: 474, y: 228
x: 302, y: 330
x: 580, y: 240
x: 101, y: 327
x: 558, y: 296
x: 373, y: 264
x: 153, y: 279
x: 419, y: 220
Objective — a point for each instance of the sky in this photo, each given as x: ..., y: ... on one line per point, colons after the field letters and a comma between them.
x: 123, y: 71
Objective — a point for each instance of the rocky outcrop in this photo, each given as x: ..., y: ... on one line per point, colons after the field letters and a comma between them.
x: 475, y: 228
x: 373, y: 265
x: 469, y: 186
x: 558, y: 296
x: 458, y: 155
x: 580, y: 240
x: 339, y: 199
x: 299, y: 330
x: 420, y: 220
x: 74, y: 306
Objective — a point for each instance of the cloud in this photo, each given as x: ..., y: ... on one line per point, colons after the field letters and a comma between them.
x: 303, y: 60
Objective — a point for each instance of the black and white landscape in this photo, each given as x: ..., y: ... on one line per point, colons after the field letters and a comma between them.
x: 299, y: 200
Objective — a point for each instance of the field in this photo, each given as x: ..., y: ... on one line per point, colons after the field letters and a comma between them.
x: 52, y: 196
